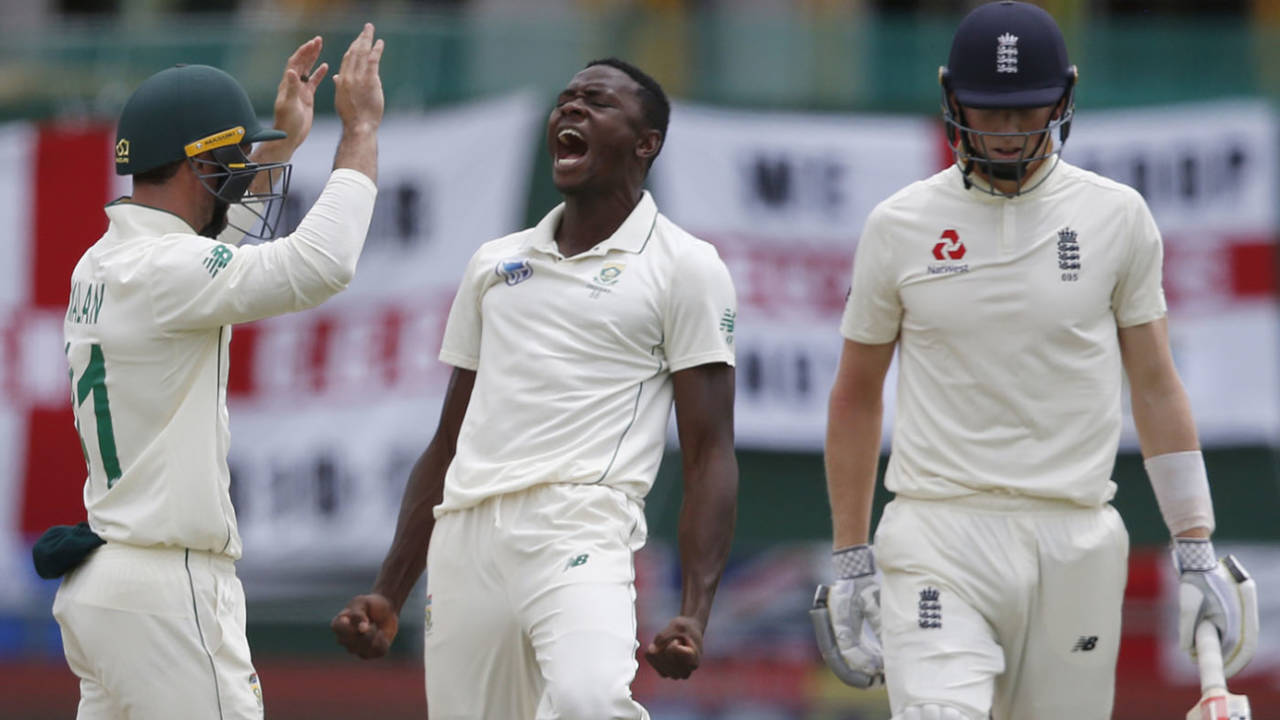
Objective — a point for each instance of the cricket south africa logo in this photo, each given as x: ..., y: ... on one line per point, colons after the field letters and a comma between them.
x: 606, y: 278
x: 1007, y: 53
x: 948, y: 247
x: 608, y: 275
x: 513, y: 270
x: 930, y: 609
x: 256, y: 687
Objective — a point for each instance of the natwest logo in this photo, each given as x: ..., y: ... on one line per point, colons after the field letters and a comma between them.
x: 950, y: 248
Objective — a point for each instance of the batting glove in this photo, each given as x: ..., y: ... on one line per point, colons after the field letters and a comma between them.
x: 846, y: 619
x: 1220, y: 592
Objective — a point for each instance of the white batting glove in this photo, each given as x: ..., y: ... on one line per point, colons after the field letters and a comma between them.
x: 848, y: 613
x: 1220, y: 592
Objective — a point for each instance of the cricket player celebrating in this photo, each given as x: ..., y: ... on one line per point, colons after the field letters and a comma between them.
x: 151, y: 612
x: 569, y: 342
x: 1015, y: 288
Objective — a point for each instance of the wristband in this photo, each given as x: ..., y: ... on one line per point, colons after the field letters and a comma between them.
x: 1181, y: 486
x: 1194, y: 555
x: 853, y: 561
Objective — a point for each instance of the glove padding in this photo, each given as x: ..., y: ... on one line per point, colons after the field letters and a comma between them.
x: 1220, y: 592
x: 846, y: 621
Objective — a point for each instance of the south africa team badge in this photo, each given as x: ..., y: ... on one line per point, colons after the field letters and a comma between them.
x: 609, y: 273
x: 256, y: 687
x: 605, y: 279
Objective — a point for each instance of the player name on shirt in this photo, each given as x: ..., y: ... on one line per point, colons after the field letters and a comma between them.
x: 86, y: 302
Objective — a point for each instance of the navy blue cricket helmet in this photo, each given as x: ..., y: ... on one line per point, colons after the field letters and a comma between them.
x: 1007, y: 55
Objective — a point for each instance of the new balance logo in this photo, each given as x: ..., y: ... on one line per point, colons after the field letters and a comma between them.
x: 930, y: 609
x: 218, y: 258
x: 1085, y: 643
x: 727, y: 321
x: 576, y: 561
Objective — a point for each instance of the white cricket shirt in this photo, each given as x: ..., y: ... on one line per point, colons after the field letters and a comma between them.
x: 573, y: 356
x: 1006, y: 312
x: 147, y: 334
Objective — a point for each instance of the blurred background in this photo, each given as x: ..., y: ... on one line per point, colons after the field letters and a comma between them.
x: 792, y: 119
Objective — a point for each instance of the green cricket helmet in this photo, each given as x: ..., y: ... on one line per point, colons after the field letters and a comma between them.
x: 188, y: 110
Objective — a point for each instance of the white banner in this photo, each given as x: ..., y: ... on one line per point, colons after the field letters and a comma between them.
x: 1210, y: 172
x: 330, y: 408
x: 17, y: 151
x: 783, y: 197
x: 336, y: 403
x: 1201, y: 167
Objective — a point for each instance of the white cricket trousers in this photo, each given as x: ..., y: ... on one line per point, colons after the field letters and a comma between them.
x: 157, y: 634
x: 531, y: 607
x: 1002, y: 605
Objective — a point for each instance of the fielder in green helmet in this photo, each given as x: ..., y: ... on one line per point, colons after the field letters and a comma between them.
x: 151, y: 612
x: 200, y: 115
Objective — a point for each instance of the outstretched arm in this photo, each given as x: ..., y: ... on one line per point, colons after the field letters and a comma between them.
x: 704, y: 416
x: 368, y: 625
x: 202, y: 285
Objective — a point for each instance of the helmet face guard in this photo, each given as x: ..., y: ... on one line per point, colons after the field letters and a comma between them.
x: 229, y: 174
x: 971, y: 149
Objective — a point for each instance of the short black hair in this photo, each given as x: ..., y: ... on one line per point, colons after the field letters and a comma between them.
x: 653, y: 100
x: 158, y: 175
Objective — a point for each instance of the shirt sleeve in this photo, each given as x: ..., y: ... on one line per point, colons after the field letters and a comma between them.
x: 701, y: 311
x: 197, y: 282
x: 873, y: 310
x: 461, y: 345
x: 1139, y: 295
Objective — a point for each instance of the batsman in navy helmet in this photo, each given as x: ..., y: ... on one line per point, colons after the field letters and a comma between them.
x: 1017, y: 291
x: 1008, y: 95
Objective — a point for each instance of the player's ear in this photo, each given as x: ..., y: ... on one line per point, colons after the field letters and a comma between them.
x: 648, y: 144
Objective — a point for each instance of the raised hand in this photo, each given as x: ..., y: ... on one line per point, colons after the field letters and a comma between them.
x: 296, y: 96
x: 359, y: 99
x: 294, y: 110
